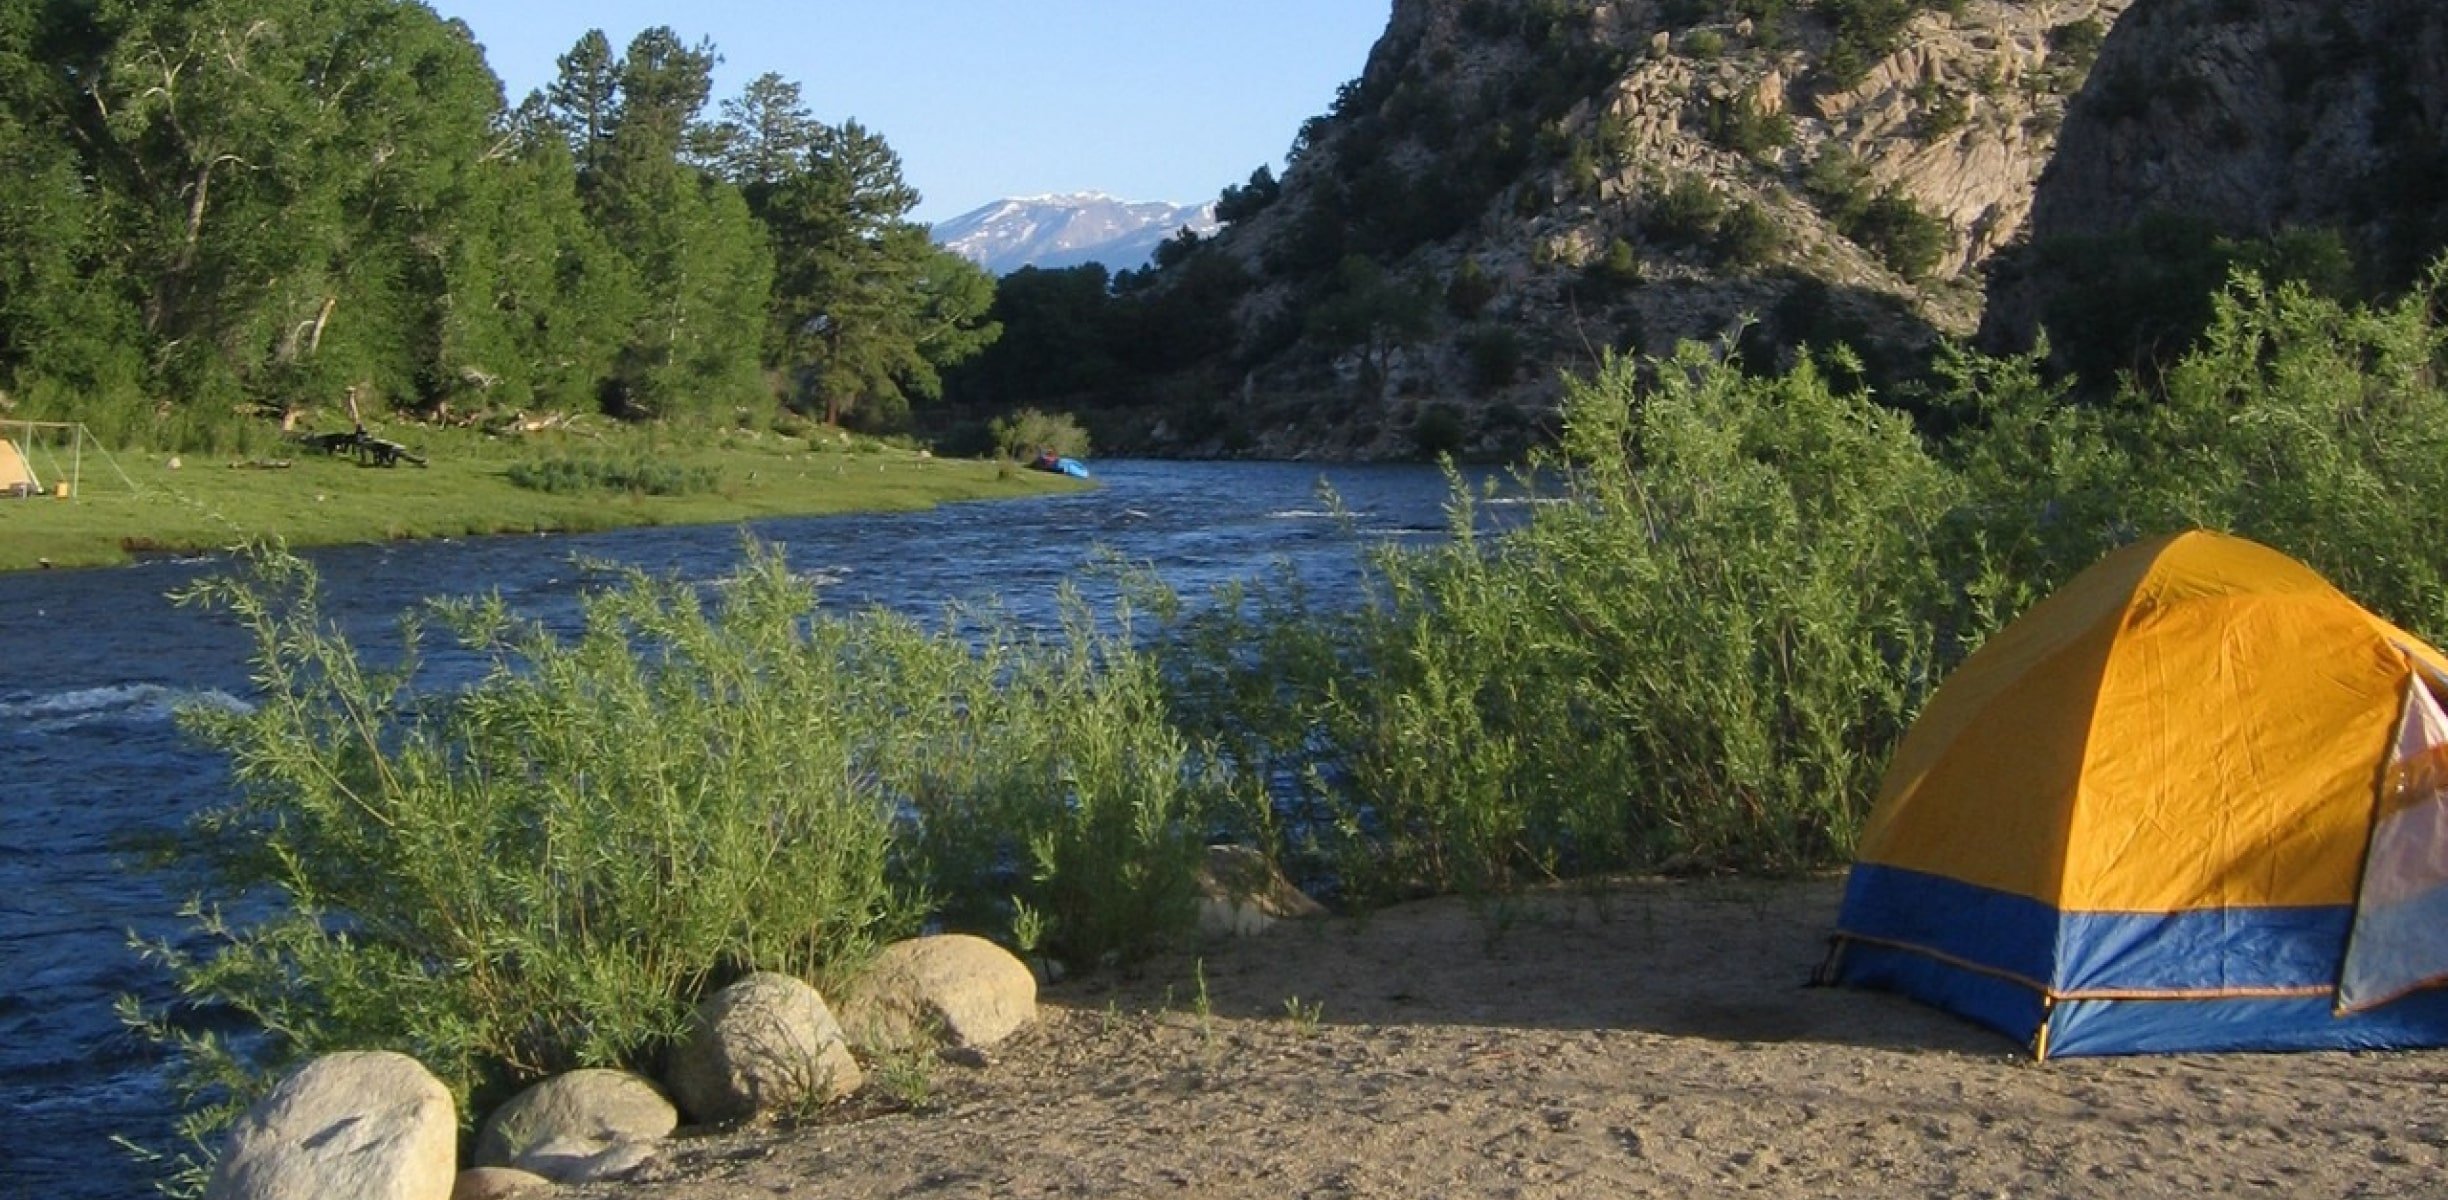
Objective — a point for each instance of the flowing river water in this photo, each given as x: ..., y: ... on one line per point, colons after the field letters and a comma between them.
x: 93, y: 665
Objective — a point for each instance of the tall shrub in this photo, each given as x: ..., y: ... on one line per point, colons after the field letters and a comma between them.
x: 1697, y: 654
x: 545, y: 868
x: 2318, y: 427
x: 1053, y: 796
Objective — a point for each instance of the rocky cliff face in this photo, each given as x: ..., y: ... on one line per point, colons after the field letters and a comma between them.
x: 2247, y: 120
x: 1514, y: 187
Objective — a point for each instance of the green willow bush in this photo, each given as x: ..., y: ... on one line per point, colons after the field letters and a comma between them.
x: 2315, y: 427
x: 2319, y: 428
x: 1052, y: 795
x: 547, y: 868
x: 1697, y: 654
x: 1029, y: 432
x: 544, y: 869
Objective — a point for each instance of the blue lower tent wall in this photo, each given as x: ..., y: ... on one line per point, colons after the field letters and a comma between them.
x: 1988, y: 955
x: 2003, y: 1005
x: 2251, y: 1023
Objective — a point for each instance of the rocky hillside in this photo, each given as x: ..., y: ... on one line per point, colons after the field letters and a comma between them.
x: 2306, y: 138
x: 1514, y: 187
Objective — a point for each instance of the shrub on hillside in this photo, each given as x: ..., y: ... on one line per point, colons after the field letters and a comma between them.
x: 1748, y: 237
x: 1687, y: 212
x: 1739, y: 125
x: 1611, y: 274
x: 1911, y: 242
x: 1469, y: 290
x: 1495, y: 354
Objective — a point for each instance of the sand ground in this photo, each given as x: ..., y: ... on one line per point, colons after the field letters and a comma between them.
x: 1651, y: 1039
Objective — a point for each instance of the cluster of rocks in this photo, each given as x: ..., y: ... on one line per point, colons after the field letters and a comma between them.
x: 374, y: 1125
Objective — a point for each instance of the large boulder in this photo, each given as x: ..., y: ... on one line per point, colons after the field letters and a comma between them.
x: 1241, y: 894
x: 953, y: 988
x: 579, y: 1127
x: 764, y: 1046
x: 369, y: 1125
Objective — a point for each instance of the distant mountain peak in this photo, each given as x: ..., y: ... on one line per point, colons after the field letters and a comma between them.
x: 1067, y: 230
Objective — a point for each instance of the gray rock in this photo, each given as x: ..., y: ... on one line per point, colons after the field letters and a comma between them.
x: 763, y: 1046
x: 952, y: 988
x: 368, y: 1125
x: 580, y: 1115
x: 498, y: 1183
x: 1241, y: 894
x: 584, y: 1160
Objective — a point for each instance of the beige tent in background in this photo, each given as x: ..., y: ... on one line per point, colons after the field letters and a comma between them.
x: 16, y: 474
x: 61, y: 448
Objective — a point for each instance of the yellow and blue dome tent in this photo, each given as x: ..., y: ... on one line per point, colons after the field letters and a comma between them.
x: 2197, y: 799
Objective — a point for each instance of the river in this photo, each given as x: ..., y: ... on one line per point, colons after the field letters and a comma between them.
x: 94, y: 663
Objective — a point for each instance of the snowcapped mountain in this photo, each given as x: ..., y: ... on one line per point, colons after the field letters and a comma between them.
x: 1064, y: 231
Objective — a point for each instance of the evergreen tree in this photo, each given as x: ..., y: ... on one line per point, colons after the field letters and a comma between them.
x: 868, y: 310
x: 700, y: 262
x: 240, y: 205
x: 1058, y: 328
x: 761, y: 139
x: 583, y: 100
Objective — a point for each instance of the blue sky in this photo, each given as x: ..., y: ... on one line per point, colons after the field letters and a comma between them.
x: 982, y: 99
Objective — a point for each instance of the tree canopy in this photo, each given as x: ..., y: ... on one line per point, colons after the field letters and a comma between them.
x: 225, y: 209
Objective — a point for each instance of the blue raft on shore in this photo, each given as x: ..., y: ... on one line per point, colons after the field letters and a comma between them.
x: 1059, y: 465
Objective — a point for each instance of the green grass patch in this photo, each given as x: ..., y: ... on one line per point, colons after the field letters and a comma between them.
x: 139, y: 502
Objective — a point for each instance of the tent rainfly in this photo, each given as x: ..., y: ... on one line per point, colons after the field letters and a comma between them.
x: 2195, y: 800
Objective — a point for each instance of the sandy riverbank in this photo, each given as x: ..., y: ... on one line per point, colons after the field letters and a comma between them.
x: 1655, y: 1041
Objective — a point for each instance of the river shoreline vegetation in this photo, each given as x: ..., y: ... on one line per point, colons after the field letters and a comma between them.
x: 1735, y: 591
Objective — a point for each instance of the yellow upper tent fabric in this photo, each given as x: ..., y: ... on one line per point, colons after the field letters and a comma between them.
x: 2197, y: 722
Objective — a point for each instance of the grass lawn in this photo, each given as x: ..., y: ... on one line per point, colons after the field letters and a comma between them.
x: 208, y: 504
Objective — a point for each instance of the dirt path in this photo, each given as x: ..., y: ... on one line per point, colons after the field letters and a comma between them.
x: 1651, y: 1041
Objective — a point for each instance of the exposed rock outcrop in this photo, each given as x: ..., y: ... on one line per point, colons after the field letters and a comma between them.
x: 2254, y: 118
x: 1529, y: 185
x: 499, y: 1183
